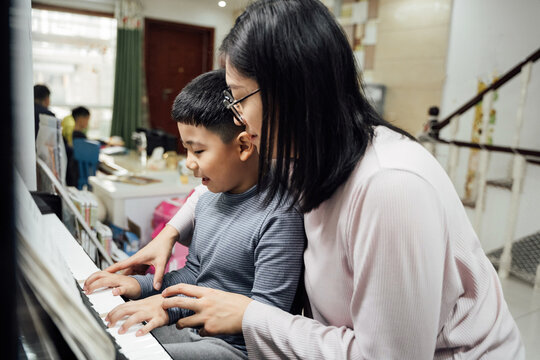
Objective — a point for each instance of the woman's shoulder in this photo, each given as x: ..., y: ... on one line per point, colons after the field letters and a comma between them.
x: 390, y: 154
x: 390, y: 150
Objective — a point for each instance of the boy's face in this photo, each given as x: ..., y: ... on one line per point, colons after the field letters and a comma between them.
x: 217, y: 163
x: 83, y: 121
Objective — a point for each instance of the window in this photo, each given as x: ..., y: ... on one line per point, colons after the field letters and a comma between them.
x: 74, y: 55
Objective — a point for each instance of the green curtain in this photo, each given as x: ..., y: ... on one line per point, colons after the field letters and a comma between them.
x: 127, y: 84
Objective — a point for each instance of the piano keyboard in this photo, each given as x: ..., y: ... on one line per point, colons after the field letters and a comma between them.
x: 102, y: 301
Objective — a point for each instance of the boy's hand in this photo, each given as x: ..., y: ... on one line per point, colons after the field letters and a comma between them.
x: 121, y: 284
x: 149, y: 309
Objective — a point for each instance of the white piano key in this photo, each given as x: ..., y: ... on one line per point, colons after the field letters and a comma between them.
x: 157, y: 353
x: 104, y: 301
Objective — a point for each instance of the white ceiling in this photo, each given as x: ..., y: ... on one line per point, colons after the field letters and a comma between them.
x: 108, y: 5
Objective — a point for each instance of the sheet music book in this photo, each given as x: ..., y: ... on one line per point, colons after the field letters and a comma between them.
x: 42, y: 265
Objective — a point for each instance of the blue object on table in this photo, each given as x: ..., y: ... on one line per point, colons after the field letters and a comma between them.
x: 131, y: 245
x: 86, y: 152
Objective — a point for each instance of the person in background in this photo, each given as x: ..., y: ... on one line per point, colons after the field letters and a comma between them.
x: 393, y: 267
x: 42, y: 102
x: 240, y: 242
x: 76, y: 125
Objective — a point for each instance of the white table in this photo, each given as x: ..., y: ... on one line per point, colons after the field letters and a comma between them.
x: 138, y: 202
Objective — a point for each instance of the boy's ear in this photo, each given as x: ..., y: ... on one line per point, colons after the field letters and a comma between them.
x: 246, y: 147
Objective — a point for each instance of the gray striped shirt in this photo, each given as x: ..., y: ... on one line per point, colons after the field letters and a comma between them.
x: 240, y: 245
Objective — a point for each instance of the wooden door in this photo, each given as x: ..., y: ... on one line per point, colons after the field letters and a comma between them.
x: 174, y: 55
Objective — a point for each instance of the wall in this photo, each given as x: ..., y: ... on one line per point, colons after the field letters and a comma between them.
x: 487, y: 38
x: 410, y: 58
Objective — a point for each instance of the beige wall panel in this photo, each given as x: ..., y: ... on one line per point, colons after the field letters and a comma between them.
x: 408, y: 107
x: 410, y: 14
x: 429, y: 43
x: 414, y: 73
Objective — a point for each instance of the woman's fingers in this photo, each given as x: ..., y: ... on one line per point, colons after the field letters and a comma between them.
x: 192, y: 321
x: 158, y: 273
x: 121, y: 265
x: 187, y: 290
x: 218, y: 312
x: 182, y: 302
x: 136, y: 264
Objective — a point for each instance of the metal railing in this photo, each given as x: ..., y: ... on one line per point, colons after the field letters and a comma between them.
x: 430, y: 137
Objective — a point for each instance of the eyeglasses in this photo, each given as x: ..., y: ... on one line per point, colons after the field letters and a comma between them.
x: 230, y: 103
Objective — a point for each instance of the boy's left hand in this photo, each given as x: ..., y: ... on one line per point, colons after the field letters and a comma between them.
x: 121, y: 284
x: 149, y: 309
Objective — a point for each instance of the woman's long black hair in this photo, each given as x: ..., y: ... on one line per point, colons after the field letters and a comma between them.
x: 314, y: 106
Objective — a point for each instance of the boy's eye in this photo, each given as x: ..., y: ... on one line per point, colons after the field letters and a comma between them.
x: 197, y: 152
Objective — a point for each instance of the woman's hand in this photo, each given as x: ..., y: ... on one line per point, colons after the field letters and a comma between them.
x: 216, y: 311
x: 149, y: 309
x: 157, y: 252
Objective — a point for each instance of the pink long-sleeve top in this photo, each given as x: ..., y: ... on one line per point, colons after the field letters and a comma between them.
x: 393, y: 270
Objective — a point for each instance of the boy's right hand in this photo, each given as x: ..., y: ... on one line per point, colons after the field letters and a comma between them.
x: 121, y: 284
x: 149, y: 309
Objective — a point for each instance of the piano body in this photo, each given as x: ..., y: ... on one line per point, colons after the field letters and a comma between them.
x: 101, y: 302
x: 53, y: 267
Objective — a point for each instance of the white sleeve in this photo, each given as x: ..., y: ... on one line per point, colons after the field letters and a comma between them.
x: 396, y: 251
x: 184, y: 219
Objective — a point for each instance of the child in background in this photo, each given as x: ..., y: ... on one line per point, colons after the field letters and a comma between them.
x: 240, y: 243
x: 76, y: 124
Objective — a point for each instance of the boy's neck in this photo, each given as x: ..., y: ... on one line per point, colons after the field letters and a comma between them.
x: 245, y: 186
x: 249, y: 177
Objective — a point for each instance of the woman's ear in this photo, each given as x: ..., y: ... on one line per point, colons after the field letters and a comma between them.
x: 245, y: 146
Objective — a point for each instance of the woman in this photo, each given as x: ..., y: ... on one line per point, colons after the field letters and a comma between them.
x: 393, y: 268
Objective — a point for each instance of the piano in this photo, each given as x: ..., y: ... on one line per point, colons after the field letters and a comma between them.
x: 53, y: 267
x: 128, y: 346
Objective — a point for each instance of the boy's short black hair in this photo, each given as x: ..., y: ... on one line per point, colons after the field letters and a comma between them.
x: 80, y: 111
x: 200, y: 103
x: 41, y: 92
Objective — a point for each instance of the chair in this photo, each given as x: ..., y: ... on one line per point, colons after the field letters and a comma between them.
x: 86, y: 153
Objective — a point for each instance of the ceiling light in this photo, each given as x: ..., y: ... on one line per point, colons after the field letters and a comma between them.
x: 222, y: 4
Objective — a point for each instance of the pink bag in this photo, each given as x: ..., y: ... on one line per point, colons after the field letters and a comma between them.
x: 165, y: 211
x: 162, y: 214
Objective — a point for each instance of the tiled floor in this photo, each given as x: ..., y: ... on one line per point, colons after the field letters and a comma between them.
x: 524, y: 304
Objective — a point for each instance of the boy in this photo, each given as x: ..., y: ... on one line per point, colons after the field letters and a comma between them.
x: 239, y: 244
x: 75, y: 125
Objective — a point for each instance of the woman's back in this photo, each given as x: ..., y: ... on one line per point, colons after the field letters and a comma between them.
x: 401, y: 265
